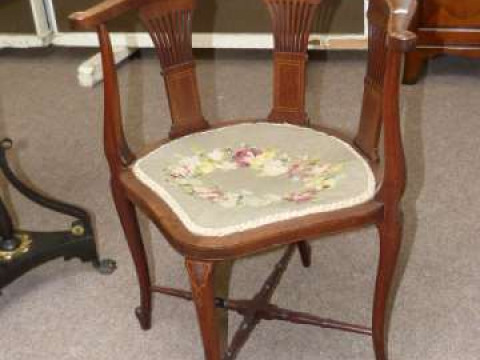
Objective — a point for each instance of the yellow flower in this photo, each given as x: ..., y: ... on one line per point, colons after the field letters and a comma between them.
x: 319, y: 183
x: 205, y: 167
x: 336, y: 168
x: 258, y: 161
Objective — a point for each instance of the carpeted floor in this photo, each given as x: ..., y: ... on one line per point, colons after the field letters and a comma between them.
x: 66, y: 310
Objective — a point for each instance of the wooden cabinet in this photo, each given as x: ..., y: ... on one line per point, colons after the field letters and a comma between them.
x: 444, y: 27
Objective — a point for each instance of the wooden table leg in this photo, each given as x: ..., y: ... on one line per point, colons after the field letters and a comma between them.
x: 415, y: 65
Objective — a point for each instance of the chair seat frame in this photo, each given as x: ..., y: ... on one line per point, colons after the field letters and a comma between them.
x: 209, y: 260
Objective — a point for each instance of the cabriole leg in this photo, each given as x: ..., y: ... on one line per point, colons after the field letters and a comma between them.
x: 128, y: 218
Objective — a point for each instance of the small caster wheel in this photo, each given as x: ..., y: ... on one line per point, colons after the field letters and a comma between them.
x: 105, y: 266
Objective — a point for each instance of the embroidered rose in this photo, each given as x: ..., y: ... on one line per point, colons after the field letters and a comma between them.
x: 301, y: 196
x: 244, y: 156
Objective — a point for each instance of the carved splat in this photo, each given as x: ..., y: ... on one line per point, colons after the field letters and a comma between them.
x: 292, y: 22
x: 170, y: 26
x: 371, y: 116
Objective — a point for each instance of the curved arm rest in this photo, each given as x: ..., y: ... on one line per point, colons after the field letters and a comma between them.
x: 102, y: 12
x: 401, y: 14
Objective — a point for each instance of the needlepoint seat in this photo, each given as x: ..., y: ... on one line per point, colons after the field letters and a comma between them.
x: 244, y: 176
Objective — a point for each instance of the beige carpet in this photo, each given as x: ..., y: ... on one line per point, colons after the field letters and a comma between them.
x: 65, y: 310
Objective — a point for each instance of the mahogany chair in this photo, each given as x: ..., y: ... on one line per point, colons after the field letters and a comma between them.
x: 218, y: 193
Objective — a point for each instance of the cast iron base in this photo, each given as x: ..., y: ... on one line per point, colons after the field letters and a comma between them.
x: 21, y: 251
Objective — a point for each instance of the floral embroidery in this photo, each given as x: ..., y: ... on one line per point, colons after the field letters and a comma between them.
x: 312, y: 175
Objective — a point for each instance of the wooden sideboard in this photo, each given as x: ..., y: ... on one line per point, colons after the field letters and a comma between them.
x: 443, y: 27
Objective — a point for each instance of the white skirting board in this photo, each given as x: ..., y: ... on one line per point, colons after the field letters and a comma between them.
x: 23, y: 41
x: 213, y: 40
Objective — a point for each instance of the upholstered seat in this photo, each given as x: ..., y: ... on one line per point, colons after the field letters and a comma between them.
x: 243, y: 176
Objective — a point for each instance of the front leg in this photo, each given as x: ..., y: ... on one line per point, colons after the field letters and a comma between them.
x: 222, y: 277
x: 202, y: 280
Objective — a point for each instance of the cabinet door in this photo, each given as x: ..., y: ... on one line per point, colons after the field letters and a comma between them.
x: 451, y: 13
x: 16, y: 17
x: 235, y: 16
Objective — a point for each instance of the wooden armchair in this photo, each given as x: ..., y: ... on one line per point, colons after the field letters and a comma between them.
x: 218, y: 193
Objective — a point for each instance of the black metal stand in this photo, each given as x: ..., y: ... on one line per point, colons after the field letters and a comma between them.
x: 21, y: 251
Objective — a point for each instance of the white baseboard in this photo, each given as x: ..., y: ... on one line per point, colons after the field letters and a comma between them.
x: 24, y: 41
x: 215, y: 40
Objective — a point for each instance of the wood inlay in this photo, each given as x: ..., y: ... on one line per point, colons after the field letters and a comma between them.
x: 200, y: 273
x: 291, y: 23
x: 169, y: 24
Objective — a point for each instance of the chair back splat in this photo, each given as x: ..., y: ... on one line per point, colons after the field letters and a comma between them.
x: 292, y: 22
x: 170, y: 26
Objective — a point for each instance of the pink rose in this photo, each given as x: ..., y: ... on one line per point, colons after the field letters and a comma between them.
x: 180, y: 172
x: 243, y: 157
x: 302, y: 196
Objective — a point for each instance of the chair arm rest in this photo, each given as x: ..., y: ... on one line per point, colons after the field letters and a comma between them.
x: 401, y: 14
x: 102, y: 12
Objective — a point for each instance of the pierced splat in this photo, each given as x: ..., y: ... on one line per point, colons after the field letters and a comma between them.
x: 170, y: 26
x: 292, y: 22
x: 368, y: 135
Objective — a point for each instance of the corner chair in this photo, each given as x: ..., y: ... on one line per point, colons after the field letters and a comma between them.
x: 219, y: 193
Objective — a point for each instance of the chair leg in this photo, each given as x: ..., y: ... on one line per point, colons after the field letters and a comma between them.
x: 202, y: 282
x: 305, y: 253
x: 390, y: 239
x: 223, y: 275
x: 128, y: 218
